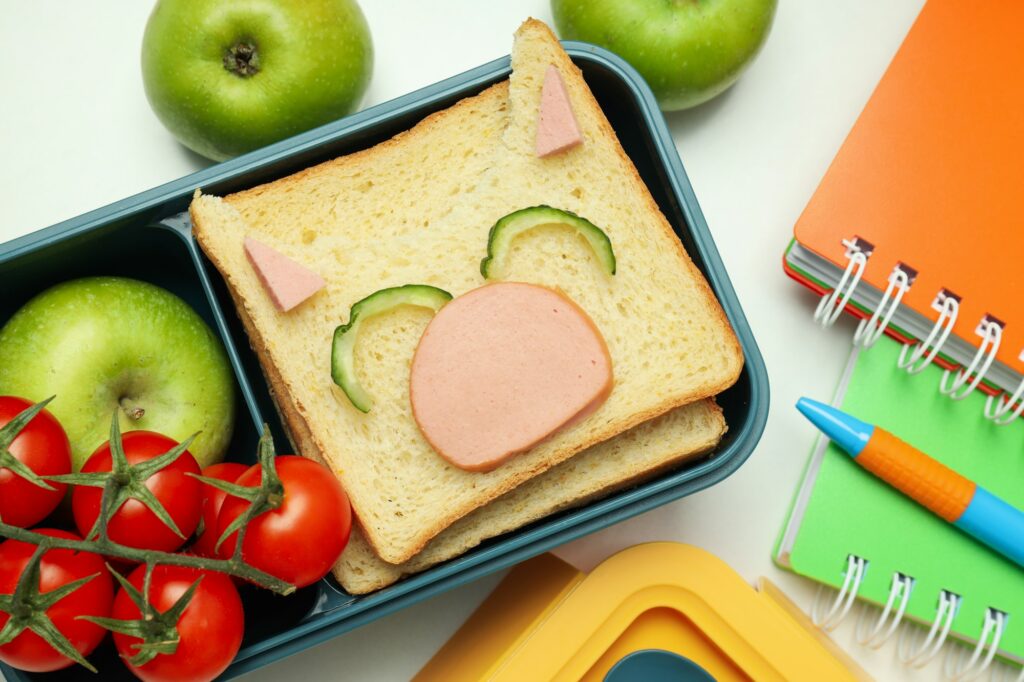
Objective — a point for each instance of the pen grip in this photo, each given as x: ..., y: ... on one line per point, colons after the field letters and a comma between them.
x: 916, y: 475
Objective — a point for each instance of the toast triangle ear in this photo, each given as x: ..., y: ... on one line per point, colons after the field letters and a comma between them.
x: 286, y: 282
x: 557, y: 129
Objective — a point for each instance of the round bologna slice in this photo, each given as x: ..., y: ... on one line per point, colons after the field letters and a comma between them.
x: 503, y: 367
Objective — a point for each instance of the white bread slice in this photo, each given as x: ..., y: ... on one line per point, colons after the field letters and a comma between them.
x: 417, y: 209
x: 628, y: 459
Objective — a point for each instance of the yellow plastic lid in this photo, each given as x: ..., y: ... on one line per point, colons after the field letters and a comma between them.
x: 548, y: 621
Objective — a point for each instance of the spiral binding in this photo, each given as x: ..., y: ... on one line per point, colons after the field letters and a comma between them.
x: 880, y: 633
x: 924, y: 353
x: 870, y: 330
x: 912, y: 651
x: 915, y: 357
x: 831, y: 305
x: 1000, y: 412
x: 991, y: 331
x: 918, y: 654
x: 995, y: 622
x: 829, y: 619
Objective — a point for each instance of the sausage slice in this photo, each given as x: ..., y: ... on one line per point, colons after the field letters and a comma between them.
x: 503, y: 367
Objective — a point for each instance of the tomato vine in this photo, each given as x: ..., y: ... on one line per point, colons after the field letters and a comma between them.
x: 123, y: 483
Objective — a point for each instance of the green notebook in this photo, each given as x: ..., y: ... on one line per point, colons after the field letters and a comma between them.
x: 842, y: 510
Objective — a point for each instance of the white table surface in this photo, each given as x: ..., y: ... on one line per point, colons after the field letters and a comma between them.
x: 76, y: 133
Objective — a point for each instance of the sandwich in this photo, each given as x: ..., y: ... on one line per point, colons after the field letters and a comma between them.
x: 419, y: 208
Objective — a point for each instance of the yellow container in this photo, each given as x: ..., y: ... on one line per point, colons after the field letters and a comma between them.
x: 548, y: 621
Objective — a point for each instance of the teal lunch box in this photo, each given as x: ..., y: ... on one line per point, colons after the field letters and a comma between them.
x: 148, y: 237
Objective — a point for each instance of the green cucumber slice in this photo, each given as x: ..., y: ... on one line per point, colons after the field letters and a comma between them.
x: 343, y: 369
x: 518, y: 222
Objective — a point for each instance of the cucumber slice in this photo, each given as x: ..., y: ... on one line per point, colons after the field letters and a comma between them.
x: 517, y: 222
x: 343, y: 369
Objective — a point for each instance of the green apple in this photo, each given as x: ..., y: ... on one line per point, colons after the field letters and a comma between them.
x: 228, y: 77
x: 687, y: 50
x: 108, y: 344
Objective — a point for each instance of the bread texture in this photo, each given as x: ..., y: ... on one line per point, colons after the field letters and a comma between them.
x: 417, y: 209
x: 628, y: 459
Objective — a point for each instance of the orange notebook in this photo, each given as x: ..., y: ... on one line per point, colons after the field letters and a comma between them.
x: 931, y: 178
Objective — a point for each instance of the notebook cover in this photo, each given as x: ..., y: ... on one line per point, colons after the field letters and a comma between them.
x: 852, y: 512
x: 931, y: 173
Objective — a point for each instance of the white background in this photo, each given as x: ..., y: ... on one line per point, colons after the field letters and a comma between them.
x: 76, y: 133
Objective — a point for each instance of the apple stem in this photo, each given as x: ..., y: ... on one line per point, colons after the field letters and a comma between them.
x: 134, y: 412
x: 242, y: 59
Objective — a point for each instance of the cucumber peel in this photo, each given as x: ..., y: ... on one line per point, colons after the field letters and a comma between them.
x: 343, y: 369
x: 514, y: 224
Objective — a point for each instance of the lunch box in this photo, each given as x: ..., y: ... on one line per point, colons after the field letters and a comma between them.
x: 148, y: 237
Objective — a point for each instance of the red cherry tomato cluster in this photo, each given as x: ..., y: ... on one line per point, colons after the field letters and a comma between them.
x: 160, y: 504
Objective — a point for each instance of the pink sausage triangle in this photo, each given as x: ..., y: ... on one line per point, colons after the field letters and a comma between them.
x: 557, y: 129
x: 287, y: 283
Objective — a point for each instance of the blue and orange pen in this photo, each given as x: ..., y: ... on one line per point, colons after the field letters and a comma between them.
x: 928, y: 482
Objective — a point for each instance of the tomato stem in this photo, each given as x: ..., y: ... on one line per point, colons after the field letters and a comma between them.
x: 27, y: 607
x: 158, y: 631
x: 269, y: 495
x: 126, y: 482
x: 109, y: 548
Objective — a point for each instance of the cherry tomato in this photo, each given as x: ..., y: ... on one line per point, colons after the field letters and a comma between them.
x: 134, y: 524
x: 212, y: 501
x: 28, y: 651
x: 42, y: 446
x: 301, y: 540
x: 210, y: 629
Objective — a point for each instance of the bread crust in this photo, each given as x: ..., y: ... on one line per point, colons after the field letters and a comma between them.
x: 453, y: 547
